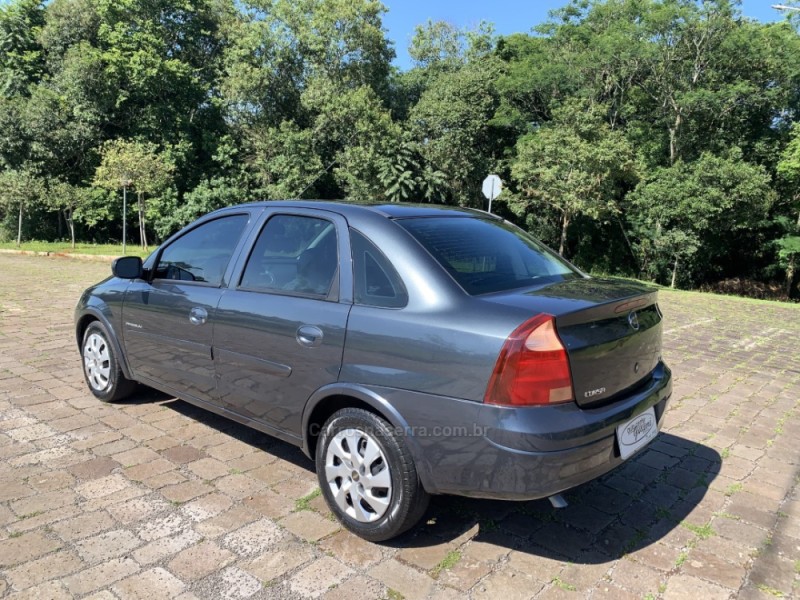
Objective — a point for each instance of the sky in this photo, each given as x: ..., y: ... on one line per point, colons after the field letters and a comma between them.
x: 508, y: 16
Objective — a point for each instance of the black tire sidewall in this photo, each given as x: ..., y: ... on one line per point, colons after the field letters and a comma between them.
x: 115, y: 375
x: 404, y: 487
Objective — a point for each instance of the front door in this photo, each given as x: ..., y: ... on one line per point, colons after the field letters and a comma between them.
x: 279, y: 330
x: 168, y: 317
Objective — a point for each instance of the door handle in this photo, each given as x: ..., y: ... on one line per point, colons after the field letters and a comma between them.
x: 309, y: 336
x: 198, y: 316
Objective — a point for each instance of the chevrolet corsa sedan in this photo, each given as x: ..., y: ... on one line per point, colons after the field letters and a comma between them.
x: 409, y: 350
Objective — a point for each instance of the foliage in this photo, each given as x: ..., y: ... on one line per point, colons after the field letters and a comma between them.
x: 643, y: 137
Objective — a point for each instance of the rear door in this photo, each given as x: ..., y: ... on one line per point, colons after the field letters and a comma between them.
x: 168, y: 318
x: 280, y: 328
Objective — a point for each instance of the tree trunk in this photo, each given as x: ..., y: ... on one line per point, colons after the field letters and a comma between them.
x: 19, y: 226
x: 564, y: 227
x: 673, y: 139
x: 674, y: 272
x: 71, y: 225
x: 790, y: 268
x: 142, y: 230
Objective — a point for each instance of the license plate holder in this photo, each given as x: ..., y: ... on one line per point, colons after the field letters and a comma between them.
x: 635, y: 434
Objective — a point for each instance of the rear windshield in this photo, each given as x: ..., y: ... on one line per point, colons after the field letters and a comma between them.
x: 486, y: 256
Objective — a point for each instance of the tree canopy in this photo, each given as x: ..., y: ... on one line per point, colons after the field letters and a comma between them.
x: 651, y: 138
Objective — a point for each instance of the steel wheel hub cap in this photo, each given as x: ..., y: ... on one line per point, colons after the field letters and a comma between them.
x: 97, y: 362
x: 358, y: 475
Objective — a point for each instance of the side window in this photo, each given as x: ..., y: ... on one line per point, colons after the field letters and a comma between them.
x: 295, y: 255
x: 376, y: 280
x: 203, y: 254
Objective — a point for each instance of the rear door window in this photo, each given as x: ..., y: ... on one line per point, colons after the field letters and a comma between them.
x: 486, y: 255
x: 293, y: 255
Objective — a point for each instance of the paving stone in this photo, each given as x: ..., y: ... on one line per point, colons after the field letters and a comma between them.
x: 104, y: 546
x: 711, y: 568
x: 52, y: 566
x: 357, y: 587
x: 236, y: 584
x: 254, y: 538
x: 315, y: 579
x: 507, y: 584
x: 136, y: 509
x: 206, y: 507
x: 277, y: 562
x: 148, y: 470
x: 83, y: 525
x: 182, y: 454
x: 162, y: 548
x: 199, y: 561
x: 28, y: 546
x: 159, y: 527
x: 680, y: 587
x: 636, y: 577
x: 269, y: 504
x: 100, y: 576
x: 227, y: 521
x: 403, y: 579
x: 154, y: 584
x: 309, y: 525
x: 183, y: 492
x: 42, y: 503
x: 208, y: 468
x: 51, y: 590
x: 351, y: 549
x: 103, y: 486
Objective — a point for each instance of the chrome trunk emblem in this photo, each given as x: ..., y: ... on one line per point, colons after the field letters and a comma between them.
x: 633, y: 320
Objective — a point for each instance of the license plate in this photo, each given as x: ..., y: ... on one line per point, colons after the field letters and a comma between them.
x: 637, y: 433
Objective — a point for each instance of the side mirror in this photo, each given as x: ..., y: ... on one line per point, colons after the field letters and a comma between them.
x: 127, y: 267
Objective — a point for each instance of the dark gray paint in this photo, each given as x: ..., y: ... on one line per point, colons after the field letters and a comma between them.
x: 423, y: 366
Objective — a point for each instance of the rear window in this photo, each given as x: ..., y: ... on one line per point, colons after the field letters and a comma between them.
x: 486, y: 256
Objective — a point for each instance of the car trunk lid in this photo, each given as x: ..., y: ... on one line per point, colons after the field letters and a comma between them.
x: 611, y: 330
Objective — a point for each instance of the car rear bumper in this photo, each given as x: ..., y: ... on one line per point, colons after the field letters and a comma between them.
x: 487, y: 451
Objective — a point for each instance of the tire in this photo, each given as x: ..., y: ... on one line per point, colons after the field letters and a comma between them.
x: 389, y: 496
x: 101, y: 368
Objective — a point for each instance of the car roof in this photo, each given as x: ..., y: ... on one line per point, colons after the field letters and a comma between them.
x: 390, y: 211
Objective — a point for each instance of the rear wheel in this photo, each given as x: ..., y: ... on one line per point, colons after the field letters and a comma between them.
x: 100, y: 366
x: 367, y: 476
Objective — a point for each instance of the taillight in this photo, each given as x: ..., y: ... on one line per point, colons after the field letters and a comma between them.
x: 532, y: 369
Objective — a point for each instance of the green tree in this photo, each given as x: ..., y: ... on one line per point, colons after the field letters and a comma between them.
x: 136, y: 165
x: 575, y: 164
x: 700, y: 208
x: 19, y: 191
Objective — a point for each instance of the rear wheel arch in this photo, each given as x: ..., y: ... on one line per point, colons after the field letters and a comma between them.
x: 327, y: 400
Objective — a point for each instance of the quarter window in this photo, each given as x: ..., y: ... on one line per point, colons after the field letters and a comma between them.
x: 293, y: 254
x: 376, y: 280
x: 202, y: 254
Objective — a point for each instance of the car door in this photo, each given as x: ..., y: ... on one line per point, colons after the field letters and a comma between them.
x: 279, y: 330
x: 168, y: 316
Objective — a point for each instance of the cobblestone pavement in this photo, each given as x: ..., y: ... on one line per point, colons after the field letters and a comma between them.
x: 153, y: 498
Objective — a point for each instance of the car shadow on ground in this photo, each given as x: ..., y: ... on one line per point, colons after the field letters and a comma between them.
x: 648, y: 498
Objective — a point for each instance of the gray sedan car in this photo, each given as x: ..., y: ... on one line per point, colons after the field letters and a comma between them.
x: 408, y: 350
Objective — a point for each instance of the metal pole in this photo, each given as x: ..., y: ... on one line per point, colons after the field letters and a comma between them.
x: 124, y: 217
x: 491, y: 197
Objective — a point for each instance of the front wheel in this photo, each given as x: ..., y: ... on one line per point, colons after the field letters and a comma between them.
x: 367, y: 476
x: 101, y: 368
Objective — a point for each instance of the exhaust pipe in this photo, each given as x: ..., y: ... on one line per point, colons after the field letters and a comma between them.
x: 558, y: 501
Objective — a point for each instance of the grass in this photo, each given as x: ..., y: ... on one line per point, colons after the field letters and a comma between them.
x: 702, y: 531
x: 447, y: 562
x: 733, y: 488
x: 563, y: 585
x: 770, y: 590
x: 394, y: 595
x: 66, y: 248
x: 304, y: 503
